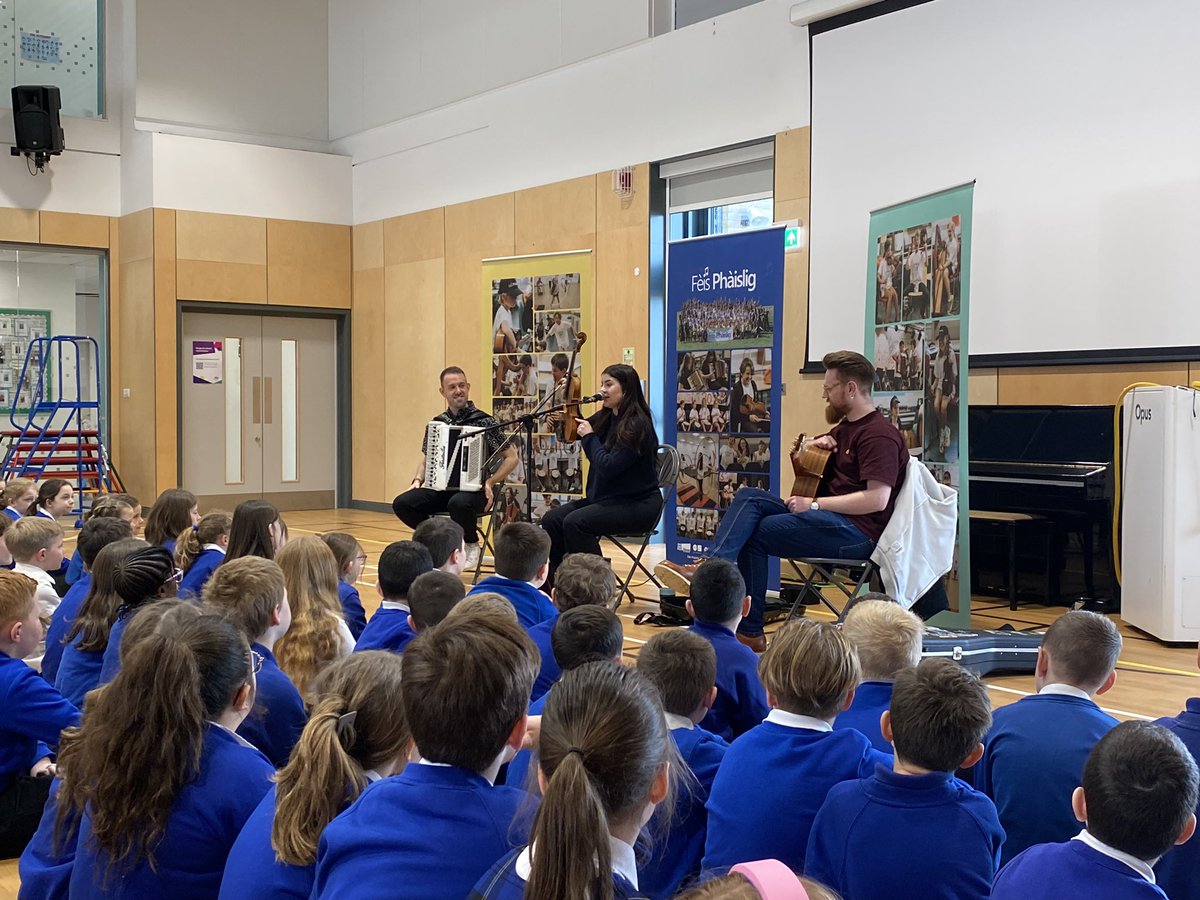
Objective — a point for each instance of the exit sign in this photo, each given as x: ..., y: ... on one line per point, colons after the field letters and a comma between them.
x: 791, y: 238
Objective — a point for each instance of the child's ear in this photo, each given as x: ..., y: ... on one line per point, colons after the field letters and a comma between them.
x: 973, y: 757
x: 849, y: 700
x: 379, y: 589
x: 1108, y: 683
x: 885, y: 725
x: 554, y: 598
x: 243, y: 698
x: 711, y: 697
x: 658, y: 787
x: 412, y: 623
x: 1079, y: 805
x: 1188, y: 830
x: 746, y: 606
x: 275, y: 614
x: 687, y: 604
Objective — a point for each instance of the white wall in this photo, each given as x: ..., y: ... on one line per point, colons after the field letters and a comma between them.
x: 255, y: 68
x: 390, y: 59
x: 1078, y: 122
x: 743, y: 76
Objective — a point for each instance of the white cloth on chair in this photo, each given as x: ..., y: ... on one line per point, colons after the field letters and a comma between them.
x: 917, y: 546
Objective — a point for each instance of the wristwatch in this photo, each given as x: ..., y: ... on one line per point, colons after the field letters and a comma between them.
x: 814, y: 506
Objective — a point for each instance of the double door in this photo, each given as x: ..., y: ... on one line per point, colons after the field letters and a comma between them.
x: 259, y: 409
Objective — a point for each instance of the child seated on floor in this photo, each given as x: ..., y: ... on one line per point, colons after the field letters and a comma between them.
x: 876, y: 833
x: 1137, y: 801
x: 36, y: 544
x: 400, y: 563
x: 199, y: 549
x: 351, y: 558
x: 775, y: 777
x: 522, y: 563
x: 718, y: 602
x: 583, y: 579
x: 431, y: 598
x: 683, y: 668
x: 433, y: 830
x: 887, y: 638
x: 1036, y: 748
x: 444, y: 539
x: 1178, y: 873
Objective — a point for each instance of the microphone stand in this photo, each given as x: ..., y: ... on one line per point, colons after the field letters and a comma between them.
x: 525, y: 423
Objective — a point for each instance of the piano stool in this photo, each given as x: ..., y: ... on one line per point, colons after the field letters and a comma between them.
x: 1014, y: 527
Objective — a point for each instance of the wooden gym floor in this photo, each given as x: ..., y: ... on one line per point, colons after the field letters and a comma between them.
x: 1153, y: 680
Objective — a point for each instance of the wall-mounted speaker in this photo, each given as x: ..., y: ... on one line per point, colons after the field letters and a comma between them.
x: 36, y: 123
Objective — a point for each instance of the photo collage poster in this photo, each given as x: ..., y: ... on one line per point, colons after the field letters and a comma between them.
x: 724, y: 299
x: 18, y: 328
x: 539, y: 314
x: 918, y: 288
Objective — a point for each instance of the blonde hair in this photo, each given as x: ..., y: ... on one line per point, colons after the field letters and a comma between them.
x: 17, y: 594
x: 246, y: 591
x: 734, y: 886
x: 29, y: 535
x: 809, y: 668
x: 313, y: 641
x: 14, y: 489
x: 326, y: 772
x: 191, y: 540
x: 483, y: 606
x: 886, y: 636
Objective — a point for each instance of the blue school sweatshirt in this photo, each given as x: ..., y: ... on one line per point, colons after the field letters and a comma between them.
x: 387, y: 630
x: 205, y: 819
x: 871, y: 698
x: 503, y: 882
x: 79, y: 672
x: 199, y: 572
x: 550, y: 672
x: 874, y: 834
x: 1070, y: 869
x: 520, y: 766
x: 676, y: 857
x: 1032, y: 761
x: 34, y: 715
x: 74, y: 567
x: 60, y: 623
x: 44, y: 868
x: 12, y: 513
x: 352, y: 608
x: 278, y: 716
x: 1178, y: 872
x: 769, y: 787
x: 428, y: 833
x: 110, y: 664
x: 741, y: 702
x: 253, y: 873
x: 532, y: 605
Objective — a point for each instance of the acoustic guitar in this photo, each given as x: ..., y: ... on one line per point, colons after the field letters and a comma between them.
x: 809, y: 467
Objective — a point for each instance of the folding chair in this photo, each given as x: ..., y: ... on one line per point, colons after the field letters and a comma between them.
x: 859, y: 573
x: 667, y: 459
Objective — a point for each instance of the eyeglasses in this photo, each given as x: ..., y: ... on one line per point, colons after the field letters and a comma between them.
x: 256, y: 661
x: 827, y: 389
x: 175, y: 578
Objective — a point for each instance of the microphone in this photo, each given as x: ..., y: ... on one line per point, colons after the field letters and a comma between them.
x: 592, y: 399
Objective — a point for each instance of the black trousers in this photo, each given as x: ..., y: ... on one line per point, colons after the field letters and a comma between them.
x: 576, y: 527
x: 415, y: 506
x: 20, y: 811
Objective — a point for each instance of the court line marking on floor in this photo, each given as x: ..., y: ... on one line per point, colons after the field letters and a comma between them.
x: 1109, y: 710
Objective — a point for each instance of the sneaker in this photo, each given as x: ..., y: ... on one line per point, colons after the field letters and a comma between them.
x: 676, y: 576
x: 472, y: 556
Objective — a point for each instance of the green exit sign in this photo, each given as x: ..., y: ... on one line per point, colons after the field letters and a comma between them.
x: 791, y: 238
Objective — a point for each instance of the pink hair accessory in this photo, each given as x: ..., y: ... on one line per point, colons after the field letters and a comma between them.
x: 772, y: 879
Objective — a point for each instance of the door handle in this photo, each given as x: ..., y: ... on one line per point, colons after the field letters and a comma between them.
x: 267, y: 400
x: 258, y: 439
x: 256, y: 400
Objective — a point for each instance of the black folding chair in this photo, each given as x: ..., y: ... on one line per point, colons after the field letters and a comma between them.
x: 821, y: 571
x: 667, y: 459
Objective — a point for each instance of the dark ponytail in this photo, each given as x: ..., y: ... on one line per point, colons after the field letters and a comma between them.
x: 604, y: 739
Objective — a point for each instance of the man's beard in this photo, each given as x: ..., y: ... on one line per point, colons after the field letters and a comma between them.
x: 833, y: 415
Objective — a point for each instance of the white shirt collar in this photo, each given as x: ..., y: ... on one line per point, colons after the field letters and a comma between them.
x: 372, y: 776
x: 1065, y: 690
x: 216, y: 547
x: 795, y: 720
x: 674, y: 721
x: 394, y: 604
x: 422, y: 761
x: 237, y: 737
x: 624, y: 861
x: 1141, y: 866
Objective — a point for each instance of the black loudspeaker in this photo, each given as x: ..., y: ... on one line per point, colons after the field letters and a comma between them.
x: 35, y: 119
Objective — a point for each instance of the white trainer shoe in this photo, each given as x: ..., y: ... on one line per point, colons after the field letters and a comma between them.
x: 472, y: 556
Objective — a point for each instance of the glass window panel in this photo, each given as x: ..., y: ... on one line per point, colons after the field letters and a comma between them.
x: 233, y: 410
x: 289, y: 417
x: 59, y: 43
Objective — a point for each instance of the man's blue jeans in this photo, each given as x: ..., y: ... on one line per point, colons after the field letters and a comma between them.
x: 758, y: 526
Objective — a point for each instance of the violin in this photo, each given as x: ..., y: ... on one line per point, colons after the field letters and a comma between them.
x: 752, y: 407
x: 809, y: 468
x: 570, y: 428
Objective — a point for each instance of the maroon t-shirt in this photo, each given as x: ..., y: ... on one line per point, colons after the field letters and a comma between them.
x: 870, y: 449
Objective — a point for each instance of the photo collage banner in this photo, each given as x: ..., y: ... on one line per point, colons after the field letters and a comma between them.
x: 918, y: 288
x: 18, y: 328
x: 539, y: 310
x: 724, y: 309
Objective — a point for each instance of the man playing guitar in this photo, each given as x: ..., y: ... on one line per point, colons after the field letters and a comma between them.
x: 858, y: 494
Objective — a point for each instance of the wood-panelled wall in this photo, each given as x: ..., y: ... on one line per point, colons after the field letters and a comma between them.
x: 418, y: 303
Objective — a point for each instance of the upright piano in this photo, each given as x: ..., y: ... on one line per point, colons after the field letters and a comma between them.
x: 1052, y: 461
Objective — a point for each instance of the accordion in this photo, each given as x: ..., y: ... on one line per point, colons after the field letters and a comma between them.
x: 454, y: 457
